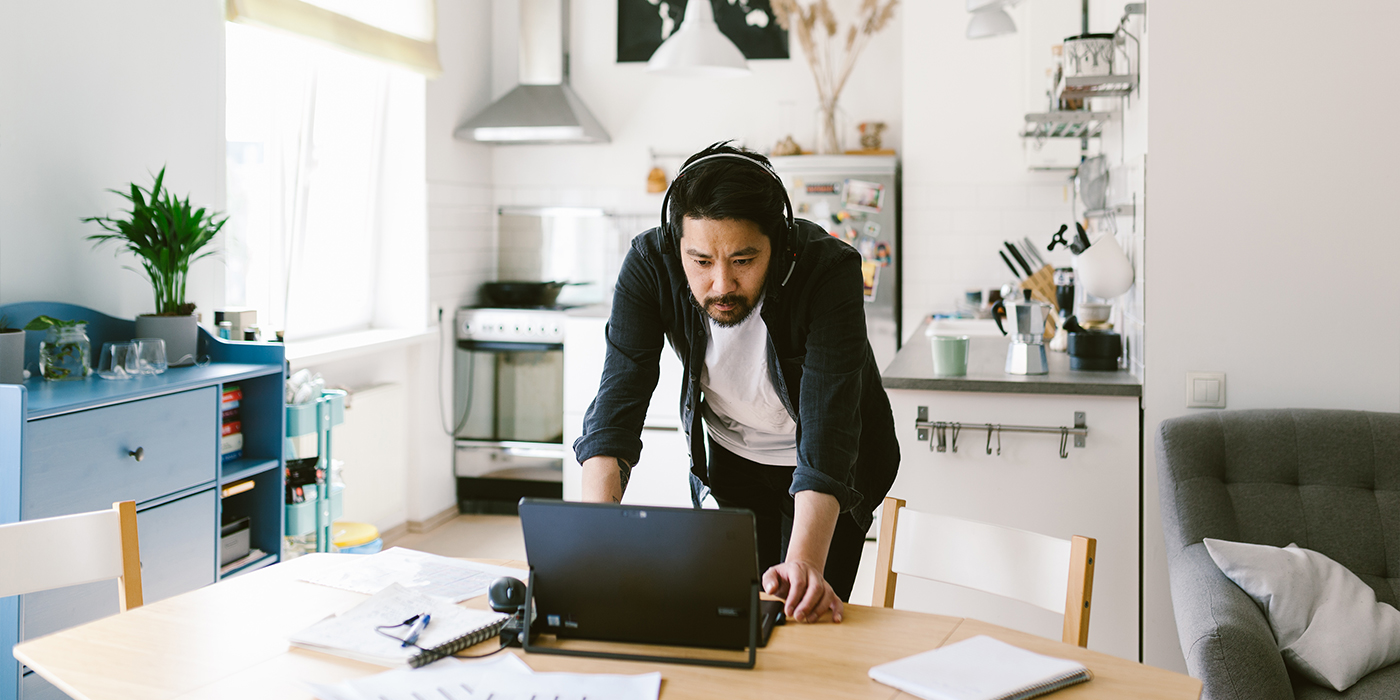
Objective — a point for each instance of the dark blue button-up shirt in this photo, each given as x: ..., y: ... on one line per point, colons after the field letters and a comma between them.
x: 819, y: 361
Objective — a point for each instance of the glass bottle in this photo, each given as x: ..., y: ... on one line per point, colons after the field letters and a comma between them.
x: 65, y: 354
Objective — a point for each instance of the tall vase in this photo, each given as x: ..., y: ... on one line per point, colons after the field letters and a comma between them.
x: 11, y: 357
x: 830, y: 128
x: 180, y: 333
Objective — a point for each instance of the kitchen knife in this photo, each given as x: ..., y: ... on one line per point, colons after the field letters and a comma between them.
x: 1017, y: 257
x: 1081, y: 239
x: 1008, y: 264
x: 1030, y: 248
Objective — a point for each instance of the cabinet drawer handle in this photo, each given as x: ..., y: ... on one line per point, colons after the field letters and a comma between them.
x: 139, y: 453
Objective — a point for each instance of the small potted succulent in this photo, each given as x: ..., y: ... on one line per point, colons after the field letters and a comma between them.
x: 65, y: 354
x: 11, y: 353
x: 166, y: 234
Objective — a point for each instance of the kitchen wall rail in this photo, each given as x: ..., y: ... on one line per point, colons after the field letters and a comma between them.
x: 938, y: 432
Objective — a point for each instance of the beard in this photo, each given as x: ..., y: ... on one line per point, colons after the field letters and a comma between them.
x: 732, y: 317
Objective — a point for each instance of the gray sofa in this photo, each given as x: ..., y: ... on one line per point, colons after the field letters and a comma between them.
x: 1327, y: 480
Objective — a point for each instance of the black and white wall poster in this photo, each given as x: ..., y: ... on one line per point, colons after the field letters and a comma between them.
x: 643, y: 24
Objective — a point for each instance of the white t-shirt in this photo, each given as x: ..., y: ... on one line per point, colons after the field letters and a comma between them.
x: 742, y: 410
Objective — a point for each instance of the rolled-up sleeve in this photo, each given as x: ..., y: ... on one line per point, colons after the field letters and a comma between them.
x: 830, y: 396
x: 613, y: 425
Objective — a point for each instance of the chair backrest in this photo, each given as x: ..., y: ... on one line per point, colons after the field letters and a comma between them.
x: 1327, y: 480
x: 1048, y: 572
x: 73, y: 549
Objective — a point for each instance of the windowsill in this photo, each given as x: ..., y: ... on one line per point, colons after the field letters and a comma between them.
x: 347, y: 345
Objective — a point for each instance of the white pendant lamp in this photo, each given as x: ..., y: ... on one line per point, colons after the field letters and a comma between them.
x: 989, y: 18
x: 993, y: 21
x: 697, y: 49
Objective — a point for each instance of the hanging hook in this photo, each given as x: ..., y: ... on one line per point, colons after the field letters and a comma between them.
x: 998, y: 439
x: 942, y: 437
x: 956, y: 428
x: 1064, y: 442
x: 989, y: 438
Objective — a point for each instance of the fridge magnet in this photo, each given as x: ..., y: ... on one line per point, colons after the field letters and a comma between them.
x: 852, y: 234
x: 643, y: 24
x: 882, y: 254
x: 823, y: 188
x: 864, y: 196
x: 871, y: 272
x: 870, y: 229
x: 867, y: 248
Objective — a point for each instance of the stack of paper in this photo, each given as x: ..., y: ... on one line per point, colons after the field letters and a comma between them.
x: 503, y: 677
x: 429, y: 574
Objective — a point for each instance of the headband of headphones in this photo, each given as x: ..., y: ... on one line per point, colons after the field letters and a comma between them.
x: 791, y: 225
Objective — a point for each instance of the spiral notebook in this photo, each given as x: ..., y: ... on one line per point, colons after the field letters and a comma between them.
x: 980, y: 668
x: 355, y: 633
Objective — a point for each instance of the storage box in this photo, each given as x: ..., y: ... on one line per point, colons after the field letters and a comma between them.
x: 235, y: 540
x: 301, y: 517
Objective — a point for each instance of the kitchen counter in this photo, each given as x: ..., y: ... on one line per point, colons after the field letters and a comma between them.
x: 912, y: 368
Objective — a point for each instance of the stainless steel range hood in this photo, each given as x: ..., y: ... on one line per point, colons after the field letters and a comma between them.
x: 542, y: 108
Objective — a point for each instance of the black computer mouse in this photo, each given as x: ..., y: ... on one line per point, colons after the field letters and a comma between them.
x: 506, y: 594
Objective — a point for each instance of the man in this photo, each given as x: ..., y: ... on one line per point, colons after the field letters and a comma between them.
x: 769, y: 324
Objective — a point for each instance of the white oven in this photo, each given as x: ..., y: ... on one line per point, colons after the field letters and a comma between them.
x: 508, y: 407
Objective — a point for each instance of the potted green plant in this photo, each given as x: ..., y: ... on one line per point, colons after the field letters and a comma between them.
x: 65, y: 354
x: 11, y: 353
x: 166, y: 234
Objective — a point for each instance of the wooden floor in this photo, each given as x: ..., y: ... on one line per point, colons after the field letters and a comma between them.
x: 499, y: 537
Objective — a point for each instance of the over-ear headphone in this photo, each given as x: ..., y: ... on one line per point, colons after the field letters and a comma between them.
x: 787, y: 247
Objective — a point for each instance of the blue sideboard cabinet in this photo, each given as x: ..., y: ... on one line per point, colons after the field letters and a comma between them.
x: 71, y: 447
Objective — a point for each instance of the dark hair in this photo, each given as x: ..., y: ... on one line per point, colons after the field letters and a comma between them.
x: 728, y: 188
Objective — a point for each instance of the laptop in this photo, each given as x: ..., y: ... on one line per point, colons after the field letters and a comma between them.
x: 641, y: 574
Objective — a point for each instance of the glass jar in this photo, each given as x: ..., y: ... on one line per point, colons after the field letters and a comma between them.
x: 65, y: 353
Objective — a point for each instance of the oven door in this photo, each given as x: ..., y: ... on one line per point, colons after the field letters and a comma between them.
x: 508, y: 424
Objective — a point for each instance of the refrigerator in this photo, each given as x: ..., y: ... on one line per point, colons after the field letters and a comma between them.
x: 856, y: 199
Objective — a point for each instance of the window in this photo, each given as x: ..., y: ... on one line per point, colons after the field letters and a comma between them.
x: 327, y: 192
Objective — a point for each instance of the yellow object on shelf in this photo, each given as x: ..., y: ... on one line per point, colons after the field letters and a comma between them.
x: 353, y: 534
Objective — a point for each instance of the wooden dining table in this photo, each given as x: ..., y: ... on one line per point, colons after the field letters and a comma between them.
x: 229, y: 640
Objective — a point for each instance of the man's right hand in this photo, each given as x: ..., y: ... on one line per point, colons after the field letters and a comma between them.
x: 602, y: 480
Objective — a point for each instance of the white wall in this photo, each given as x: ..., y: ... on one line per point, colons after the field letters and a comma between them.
x: 967, y: 187
x: 1272, y: 215
x: 96, y: 95
x: 680, y: 116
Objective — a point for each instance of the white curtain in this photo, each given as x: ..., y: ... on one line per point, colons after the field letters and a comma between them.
x: 327, y: 196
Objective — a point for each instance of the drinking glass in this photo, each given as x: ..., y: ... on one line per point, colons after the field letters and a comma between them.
x: 118, y: 361
x: 150, y: 353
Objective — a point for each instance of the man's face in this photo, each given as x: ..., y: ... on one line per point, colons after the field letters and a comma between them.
x: 726, y: 263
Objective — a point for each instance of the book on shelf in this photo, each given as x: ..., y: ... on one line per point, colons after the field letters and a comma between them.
x: 230, y: 413
x: 231, y: 443
x: 980, y: 668
x: 252, y: 556
x: 231, y: 427
x: 236, y: 488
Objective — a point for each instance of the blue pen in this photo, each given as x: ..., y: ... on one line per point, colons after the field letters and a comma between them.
x: 418, y: 626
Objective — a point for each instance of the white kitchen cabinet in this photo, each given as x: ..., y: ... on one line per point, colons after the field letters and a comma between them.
x: 662, y: 474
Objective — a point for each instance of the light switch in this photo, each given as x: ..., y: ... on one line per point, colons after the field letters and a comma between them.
x: 1205, y: 390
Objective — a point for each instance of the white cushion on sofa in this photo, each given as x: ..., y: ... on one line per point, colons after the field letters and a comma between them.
x: 1326, y: 621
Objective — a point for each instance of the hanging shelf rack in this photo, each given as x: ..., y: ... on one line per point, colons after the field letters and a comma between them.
x: 1086, y: 86
x: 1065, y: 124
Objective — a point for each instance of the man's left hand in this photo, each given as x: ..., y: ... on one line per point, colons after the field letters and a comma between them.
x: 806, y: 591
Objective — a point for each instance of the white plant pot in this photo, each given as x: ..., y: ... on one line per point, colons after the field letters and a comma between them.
x: 180, y: 333
x: 12, y: 357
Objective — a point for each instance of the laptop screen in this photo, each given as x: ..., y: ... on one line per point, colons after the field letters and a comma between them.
x: 671, y: 576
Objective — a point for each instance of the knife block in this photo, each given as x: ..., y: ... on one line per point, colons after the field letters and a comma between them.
x: 1042, y: 286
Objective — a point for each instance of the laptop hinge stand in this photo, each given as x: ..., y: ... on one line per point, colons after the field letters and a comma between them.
x: 754, y: 617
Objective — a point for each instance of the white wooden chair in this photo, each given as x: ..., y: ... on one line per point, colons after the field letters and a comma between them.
x: 1026, y: 566
x: 71, y: 549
